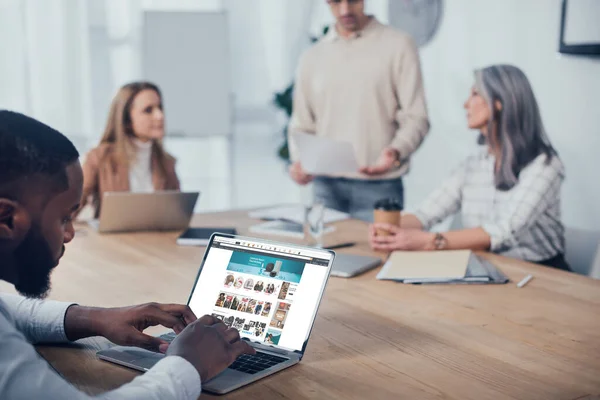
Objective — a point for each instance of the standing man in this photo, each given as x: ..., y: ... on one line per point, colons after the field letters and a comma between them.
x: 361, y: 83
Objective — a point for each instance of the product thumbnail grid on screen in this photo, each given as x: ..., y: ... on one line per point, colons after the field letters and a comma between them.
x: 257, y: 295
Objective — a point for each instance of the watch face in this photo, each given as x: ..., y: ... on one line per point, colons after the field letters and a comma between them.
x: 419, y: 18
x: 439, y: 241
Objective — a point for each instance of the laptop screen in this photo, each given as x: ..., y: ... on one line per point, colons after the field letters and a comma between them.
x: 269, y: 292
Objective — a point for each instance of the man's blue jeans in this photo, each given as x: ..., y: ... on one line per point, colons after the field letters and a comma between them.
x: 356, y: 196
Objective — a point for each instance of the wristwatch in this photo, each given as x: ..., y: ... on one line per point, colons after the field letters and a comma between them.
x: 440, y: 242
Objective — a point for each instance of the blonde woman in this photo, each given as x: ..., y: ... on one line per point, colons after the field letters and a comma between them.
x: 130, y: 156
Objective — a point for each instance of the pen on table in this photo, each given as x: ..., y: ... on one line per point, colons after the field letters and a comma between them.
x: 341, y: 245
x: 525, y: 281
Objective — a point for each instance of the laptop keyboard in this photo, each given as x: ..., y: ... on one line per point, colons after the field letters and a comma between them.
x: 245, y: 363
x: 256, y: 363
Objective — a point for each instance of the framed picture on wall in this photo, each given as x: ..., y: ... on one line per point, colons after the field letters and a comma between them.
x: 579, y: 27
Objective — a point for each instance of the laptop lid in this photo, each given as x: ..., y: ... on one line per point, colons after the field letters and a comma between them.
x: 162, y: 210
x: 349, y: 265
x: 269, y: 291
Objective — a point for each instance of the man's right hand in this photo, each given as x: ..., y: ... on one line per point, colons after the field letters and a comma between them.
x: 298, y: 174
x: 209, y: 346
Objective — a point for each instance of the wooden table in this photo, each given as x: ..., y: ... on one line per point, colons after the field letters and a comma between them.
x: 372, y: 339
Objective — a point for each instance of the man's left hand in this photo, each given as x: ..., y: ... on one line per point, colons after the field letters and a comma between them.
x: 388, y: 159
x: 125, y: 325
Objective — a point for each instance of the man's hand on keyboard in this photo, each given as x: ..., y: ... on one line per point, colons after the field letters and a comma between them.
x: 209, y: 346
x: 125, y: 325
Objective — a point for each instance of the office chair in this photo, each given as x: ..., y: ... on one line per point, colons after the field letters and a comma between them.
x: 582, y: 248
x: 582, y: 251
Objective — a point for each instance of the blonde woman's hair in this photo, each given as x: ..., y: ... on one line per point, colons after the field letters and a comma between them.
x: 119, y: 132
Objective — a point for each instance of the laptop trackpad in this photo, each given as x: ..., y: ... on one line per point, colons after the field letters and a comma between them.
x: 132, y: 357
x: 226, y: 381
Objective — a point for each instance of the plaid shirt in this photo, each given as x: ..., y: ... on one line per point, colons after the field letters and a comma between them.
x: 523, y: 222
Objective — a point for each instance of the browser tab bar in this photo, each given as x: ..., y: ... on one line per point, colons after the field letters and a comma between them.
x: 288, y: 251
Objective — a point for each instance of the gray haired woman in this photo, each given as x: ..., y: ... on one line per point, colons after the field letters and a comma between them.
x: 508, y: 193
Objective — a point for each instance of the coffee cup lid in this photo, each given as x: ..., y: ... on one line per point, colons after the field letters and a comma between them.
x: 389, y: 204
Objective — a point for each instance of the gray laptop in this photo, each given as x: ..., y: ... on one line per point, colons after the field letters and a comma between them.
x: 269, y: 291
x: 157, y: 211
x: 349, y: 265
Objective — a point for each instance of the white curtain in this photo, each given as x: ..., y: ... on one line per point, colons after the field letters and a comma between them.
x: 45, y: 63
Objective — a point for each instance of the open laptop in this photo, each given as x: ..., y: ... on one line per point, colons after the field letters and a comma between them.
x: 269, y: 291
x: 156, y: 211
x: 350, y: 265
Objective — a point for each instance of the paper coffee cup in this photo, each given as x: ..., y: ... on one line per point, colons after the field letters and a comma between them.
x: 387, y: 211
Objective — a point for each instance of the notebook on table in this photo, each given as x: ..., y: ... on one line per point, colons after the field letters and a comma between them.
x: 451, y: 266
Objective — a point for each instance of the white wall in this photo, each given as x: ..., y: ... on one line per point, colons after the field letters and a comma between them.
x: 267, y: 38
x: 524, y: 33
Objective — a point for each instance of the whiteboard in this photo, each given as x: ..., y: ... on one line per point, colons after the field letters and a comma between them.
x: 186, y: 53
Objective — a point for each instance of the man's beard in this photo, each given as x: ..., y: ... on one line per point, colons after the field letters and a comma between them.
x: 35, y: 262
